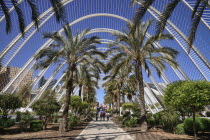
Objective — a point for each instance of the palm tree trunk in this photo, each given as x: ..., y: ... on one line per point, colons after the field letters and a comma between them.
x: 80, y: 90
x: 118, y: 102
x: 123, y: 97
x: 141, y: 96
x: 194, y: 126
x: 69, y: 89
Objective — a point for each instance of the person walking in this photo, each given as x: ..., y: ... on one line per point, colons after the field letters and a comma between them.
x: 101, y: 115
x: 96, y: 115
x: 104, y: 114
x: 107, y: 116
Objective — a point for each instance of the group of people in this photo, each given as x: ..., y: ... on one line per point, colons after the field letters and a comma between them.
x: 102, y: 115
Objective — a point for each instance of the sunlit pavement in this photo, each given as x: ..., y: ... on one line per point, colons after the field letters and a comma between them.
x: 103, y: 130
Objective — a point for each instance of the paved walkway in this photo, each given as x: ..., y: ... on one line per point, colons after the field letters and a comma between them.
x: 103, y: 130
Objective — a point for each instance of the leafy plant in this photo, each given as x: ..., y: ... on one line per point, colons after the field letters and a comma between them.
x: 76, y: 101
x: 25, y: 120
x: 190, y: 94
x: 36, y: 125
x: 6, y: 122
x: 73, y: 121
x: 128, y: 106
x: 46, y: 107
x: 180, y: 129
x: 208, y: 113
x: 9, y: 102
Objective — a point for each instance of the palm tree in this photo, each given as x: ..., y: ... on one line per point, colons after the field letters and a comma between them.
x: 74, y: 51
x: 56, y: 4
x: 197, y: 13
x: 87, y: 75
x: 133, y: 48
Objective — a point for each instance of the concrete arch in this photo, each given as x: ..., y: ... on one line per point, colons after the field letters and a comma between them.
x: 122, y: 18
x: 151, y: 10
x: 48, y: 42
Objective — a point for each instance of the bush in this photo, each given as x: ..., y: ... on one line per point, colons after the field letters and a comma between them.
x: 130, y: 122
x: 208, y: 113
x: 73, y: 121
x: 205, y: 124
x: 76, y: 101
x: 180, y: 129
x: 25, y: 120
x: 9, y: 102
x: 6, y: 122
x: 128, y: 106
x: 120, y: 118
x: 157, y: 118
x: 201, y: 124
x: 18, y: 116
x: 110, y: 110
x: 36, y: 125
x: 151, y: 121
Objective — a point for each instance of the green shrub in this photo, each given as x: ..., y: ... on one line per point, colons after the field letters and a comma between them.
x: 120, y: 118
x: 208, y: 113
x: 25, y: 120
x: 36, y: 125
x: 84, y: 105
x: 9, y: 102
x: 157, y: 118
x: 73, y: 121
x: 130, y: 122
x: 110, y: 110
x: 128, y: 106
x: 6, y: 122
x: 188, y: 125
x: 18, y: 116
x: 151, y: 121
x: 205, y: 124
x: 180, y: 129
x: 76, y: 101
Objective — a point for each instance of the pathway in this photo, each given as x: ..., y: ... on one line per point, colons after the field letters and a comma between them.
x: 103, y: 130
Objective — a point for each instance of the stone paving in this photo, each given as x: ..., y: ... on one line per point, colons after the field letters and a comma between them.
x: 103, y: 130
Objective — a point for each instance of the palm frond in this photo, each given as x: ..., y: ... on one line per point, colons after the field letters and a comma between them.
x: 195, y: 8
x: 35, y: 12
x: 195, y: 23
x: 141, y: 11
x: 165, y: 16
x: 68, y: 32
x: 59, y: 10
x: 7, y: 16
x: 20, y: 15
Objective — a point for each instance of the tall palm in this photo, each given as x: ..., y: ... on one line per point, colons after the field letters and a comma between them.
x: 197, y: 13
x: 120, y: 78
x: 56, y: 4
x: 87, y: 75
x: 133, y: 48
x: 111, y: 88
x: 74, y: 51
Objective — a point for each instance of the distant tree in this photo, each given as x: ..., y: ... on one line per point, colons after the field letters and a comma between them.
x: 46, y: 107
x: 48, y: 93
x: 188, y: 94
x: 76, y: 101
x: 25, y: 93
x: 9, y: 102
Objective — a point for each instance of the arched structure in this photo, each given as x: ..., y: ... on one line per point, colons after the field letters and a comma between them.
x: 15, y: 46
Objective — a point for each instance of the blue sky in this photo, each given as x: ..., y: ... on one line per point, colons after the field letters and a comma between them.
x: 80, y: 8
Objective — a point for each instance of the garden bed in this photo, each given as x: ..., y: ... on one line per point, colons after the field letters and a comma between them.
x: 52, y: 132
x: 152, y: 134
